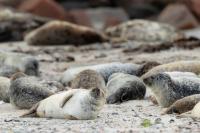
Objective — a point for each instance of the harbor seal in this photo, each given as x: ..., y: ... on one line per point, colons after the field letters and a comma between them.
x: 183, y: 105
x: 144, y: 31
x: 88, y: 79
x: 168, y: 87
x: 62, y: 32
x: 74, y: 104
x: 4, y: 89
x: 123, y: 87
x: 25, y: 91
x: 14, y: 62
x: 107, y: 69
x: 183, y: 66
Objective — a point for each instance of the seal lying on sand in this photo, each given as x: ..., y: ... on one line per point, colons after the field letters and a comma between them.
x: 123, y: 87
x: 78, y: 104
x: 183, y: 105
x: 25, y: 91
x: 14, y: 62
x: 168, y: 87
x: 4, y: 89
x: 107, y: 69
x: 88, y: 79
x: 62, y: 32
x: 183, y: 66
x: 144, y: 31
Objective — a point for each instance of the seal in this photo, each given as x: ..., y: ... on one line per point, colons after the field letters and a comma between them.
x: 144, y: 31
x: 182, y: 66
x: 183, y: 105
x: 62, y: 32
x: 25, y: 91
x: 74, y: 104
x: 4, y: 89
x: 14, y: 62
x: 88, y: 79
x: 123, y: 87
x: 107, y: 69
x: 168, y: 87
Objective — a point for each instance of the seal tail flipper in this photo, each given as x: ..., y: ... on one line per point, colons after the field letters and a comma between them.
x: 32, y: 112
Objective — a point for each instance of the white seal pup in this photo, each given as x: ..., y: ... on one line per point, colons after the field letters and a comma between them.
x: 25, y: 91
x: 123, y: 87
x: 74, y: 104
x: 168, y: 87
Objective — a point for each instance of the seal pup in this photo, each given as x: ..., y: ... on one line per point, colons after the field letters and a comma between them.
x: 168, y: 88
x: 19, y: 62
x: 144, y: 31
x: 4, y: 89
x: 107, y: 69
x: 62, y: 32
x: 183, y: 105
x: 123, y: 87
x: 182, y: 66
x: 74, y: 104
x: 88, y: 79
x: 25, y: 91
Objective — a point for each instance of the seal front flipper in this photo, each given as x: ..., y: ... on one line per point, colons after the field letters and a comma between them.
x: 31, y: 112
x: 65, y: 99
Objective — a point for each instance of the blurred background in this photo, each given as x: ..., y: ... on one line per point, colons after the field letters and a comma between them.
x: 99, y: 14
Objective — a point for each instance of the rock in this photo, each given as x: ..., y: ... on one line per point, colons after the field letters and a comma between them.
x: 45, y: 8
x: 4, y: 89
x: 123, y: 87
x: 60, y: 32
x: 179, y: 16
x: 144, y: 31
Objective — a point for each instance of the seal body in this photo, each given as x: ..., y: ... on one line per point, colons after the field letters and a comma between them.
x: 88, y: 79
x: 104, y: 69
x: 183, y: 105
x: 15, y: 62
x: 4, y: 89
x: 168, y: 88
x: 182, y: 66
x: 144, y: 31
x: 27, y: 91
x: 196, y: 111
x: 81, y: 104
x: 61, y: 32
x: 123, y: 87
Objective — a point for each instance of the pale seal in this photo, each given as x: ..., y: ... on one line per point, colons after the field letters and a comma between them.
x: 78, y: 104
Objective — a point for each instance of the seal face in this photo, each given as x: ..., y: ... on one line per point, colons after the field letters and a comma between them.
x: 168, y: 87
x: 25, y: 91
x: 78, y: 104
x: 183, y: 105
x: 123, y: 87
x: 88, y: 79
x: 104, y: 69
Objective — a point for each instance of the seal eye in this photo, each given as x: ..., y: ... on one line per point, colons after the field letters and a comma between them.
x: 124, y: 96
x: 174, y: 110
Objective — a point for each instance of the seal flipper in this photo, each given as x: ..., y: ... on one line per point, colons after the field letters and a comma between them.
x: 65, y: 99
x: 32, y: 112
